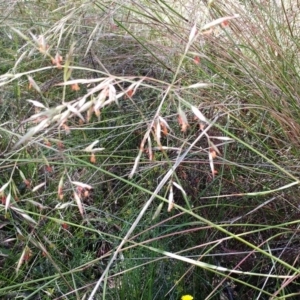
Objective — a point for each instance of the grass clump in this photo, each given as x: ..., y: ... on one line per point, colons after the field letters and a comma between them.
x: 149, y: 150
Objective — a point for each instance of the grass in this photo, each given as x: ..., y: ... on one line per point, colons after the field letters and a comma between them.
x: 149, y: 150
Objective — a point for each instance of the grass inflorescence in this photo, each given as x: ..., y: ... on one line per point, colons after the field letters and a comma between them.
x: 149, y: 150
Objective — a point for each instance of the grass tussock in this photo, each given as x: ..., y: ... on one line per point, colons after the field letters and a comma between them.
x: 149, y: 150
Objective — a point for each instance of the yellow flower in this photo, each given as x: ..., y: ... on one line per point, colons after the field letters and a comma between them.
x: 187, y: 297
